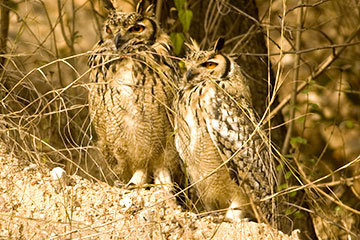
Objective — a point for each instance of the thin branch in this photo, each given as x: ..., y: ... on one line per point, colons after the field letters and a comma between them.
x: 67, y: 40
x: 332, y: 46
x: 4, y: 31
x: 302, y: 5
x: 288, y: 136
x: 321, y: 68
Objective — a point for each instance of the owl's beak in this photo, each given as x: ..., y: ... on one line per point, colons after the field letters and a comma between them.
x: 190, y: 74
x: 118, y: 41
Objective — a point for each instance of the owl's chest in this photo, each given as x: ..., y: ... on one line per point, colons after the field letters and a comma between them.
x: 130, y: 99
x: 129, y: 78
x: 128, y: 84
x: 201, y: 150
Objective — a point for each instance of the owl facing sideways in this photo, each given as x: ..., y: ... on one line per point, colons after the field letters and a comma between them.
x: 132, y: 87
x: 218, y: 140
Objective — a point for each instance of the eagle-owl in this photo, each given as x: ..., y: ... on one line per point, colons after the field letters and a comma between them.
x: 132, y: 87
x: 217, y: 137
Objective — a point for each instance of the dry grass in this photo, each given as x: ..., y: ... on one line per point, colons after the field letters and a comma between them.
x: 313, y: 44
x: 43, y: 90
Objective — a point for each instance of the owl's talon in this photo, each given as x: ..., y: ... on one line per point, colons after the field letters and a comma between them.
x: 234, y: 213
x: 162, y: 177
x: 130, y: 186
x: 138, y: 179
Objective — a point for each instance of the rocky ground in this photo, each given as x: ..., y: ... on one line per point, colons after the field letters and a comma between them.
x: 34, y: 204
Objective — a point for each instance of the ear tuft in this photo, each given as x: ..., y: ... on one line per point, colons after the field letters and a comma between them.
x: 108, y: 5
x: 140, y: 7
x: 219, y: 44
x: 149, y: 12
x: 192, y: 46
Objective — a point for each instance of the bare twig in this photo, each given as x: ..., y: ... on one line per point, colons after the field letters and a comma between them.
x: 286, y: 143
x: 302, y: 5
x: 4, y: 30
x: 308, y: 50
x: 68, y: 41
x: 95, y: 16
x: 320, y: 69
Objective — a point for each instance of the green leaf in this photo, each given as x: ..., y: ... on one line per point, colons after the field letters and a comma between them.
x: 179, y: 4
x: 282, y: 187
x: 309, y: 87
x: 337, y: 209
x: 289, y: 211
x: 314, y: 107
x: 297, y: 140
x: 279, y: 167
x: 306, y: 90
x: 288, y: 175
x: 301, y: 119
x: 349, y: 124
x: 292, y: 194
x: 177, y: 40
x: 185, y: 19
x: 298, y: 214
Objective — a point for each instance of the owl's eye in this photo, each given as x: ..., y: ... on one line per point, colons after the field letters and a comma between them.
x: 137, y: 29
x: 209, y: 65
x: 108, y: 30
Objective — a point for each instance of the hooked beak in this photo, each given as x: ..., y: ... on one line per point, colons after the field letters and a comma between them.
x: 118, y: 41
x: 190, y: 74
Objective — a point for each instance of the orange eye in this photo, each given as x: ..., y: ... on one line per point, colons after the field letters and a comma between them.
x: 108, y: 30
x: 209, y: 65
x: 137, y: 29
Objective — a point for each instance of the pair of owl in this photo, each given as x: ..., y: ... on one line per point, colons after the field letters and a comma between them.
x: 151, y: 122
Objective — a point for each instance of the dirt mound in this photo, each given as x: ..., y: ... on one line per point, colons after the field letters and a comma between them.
x: 35, y: 205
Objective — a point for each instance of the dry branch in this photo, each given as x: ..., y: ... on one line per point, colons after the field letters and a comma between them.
x: 4, y: 30
x: 319, y: 70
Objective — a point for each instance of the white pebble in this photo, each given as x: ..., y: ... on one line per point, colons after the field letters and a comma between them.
x: 126, y: 202
x: 58, y: 173
x: 59, y: 177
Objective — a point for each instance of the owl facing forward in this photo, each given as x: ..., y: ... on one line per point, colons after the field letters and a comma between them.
x: 132, y: 80
x: 217, y: 137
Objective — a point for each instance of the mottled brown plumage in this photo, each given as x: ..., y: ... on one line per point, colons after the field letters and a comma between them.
x: 216, y: 134
x: 132, y: 87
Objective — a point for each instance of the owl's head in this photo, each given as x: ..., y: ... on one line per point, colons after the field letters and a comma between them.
x: 217, y: 67
x: 211, y: 64
x: 130, y: 28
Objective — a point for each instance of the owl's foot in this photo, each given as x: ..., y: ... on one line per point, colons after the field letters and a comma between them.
x: 162, y: 177
x: 138, y: 179
x: 235, y: 214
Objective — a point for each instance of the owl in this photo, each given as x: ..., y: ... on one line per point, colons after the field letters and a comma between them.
x: 217, y: 136
x: 133, y: 78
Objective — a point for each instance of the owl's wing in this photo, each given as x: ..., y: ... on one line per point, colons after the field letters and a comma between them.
x: 165, y: 64
x: 231, y: 126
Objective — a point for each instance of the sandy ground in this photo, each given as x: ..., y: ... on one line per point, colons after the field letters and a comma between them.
x: 35, y: 205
